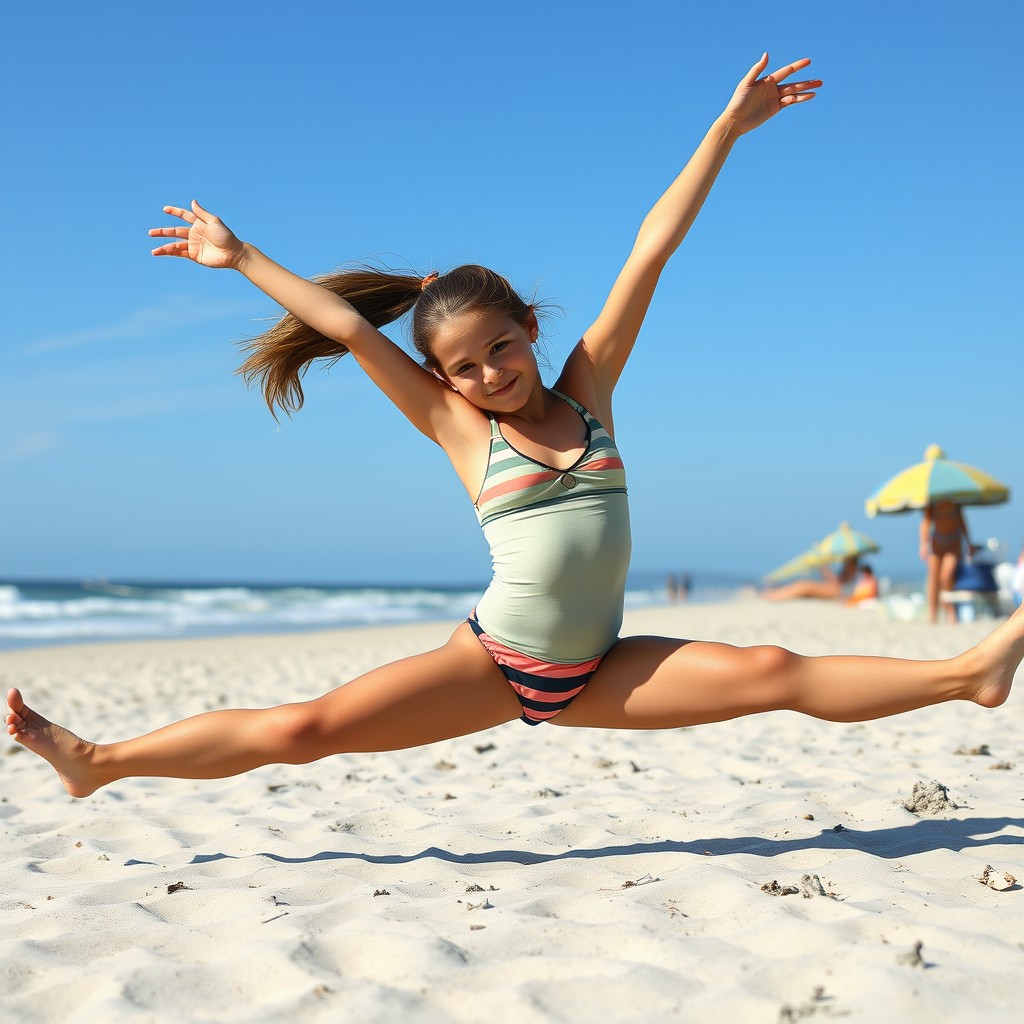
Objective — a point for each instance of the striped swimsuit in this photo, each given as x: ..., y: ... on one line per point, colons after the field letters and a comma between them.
x: 560, y: 548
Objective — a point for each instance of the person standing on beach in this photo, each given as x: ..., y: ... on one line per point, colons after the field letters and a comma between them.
x: 546, y: 478
x: 943, y: 536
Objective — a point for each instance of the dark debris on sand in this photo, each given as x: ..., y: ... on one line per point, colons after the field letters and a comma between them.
x: 913, y: 958
x: 810, y: 886
x: 819, y: 1004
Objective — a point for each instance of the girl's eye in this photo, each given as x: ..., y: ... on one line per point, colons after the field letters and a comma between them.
x: 499, y: 346
x: 464, y: 369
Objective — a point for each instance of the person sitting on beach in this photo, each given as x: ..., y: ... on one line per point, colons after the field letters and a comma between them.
x: 831, y: 586
x: 866, y: 586
x: 943, y: 536
x: 543, y: 470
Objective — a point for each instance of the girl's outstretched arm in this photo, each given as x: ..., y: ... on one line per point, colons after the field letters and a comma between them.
x: 207, y: 240
x: 607, y: 344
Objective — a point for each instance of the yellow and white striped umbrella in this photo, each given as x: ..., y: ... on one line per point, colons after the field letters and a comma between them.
x: 802, y: 565
x: 936, y: 479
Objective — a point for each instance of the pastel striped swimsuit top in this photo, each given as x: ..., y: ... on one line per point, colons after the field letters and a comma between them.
x: 560, y: 547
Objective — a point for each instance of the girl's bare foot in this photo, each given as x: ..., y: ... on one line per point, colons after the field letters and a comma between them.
x: 69, y: 756
x: 996, y: 659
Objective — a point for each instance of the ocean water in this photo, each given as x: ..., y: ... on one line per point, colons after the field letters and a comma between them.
x: 36, y: 613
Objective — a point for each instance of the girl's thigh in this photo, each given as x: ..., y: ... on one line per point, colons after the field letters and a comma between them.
x: 454, y: 690
x: 650, y: 682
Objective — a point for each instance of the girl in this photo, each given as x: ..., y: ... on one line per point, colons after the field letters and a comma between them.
x: 547, y: 482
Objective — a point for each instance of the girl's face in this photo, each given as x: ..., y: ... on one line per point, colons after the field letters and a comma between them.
x: 488, y: 358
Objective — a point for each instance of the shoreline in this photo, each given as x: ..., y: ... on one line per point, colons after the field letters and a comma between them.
x: 728, y: 621
x: 673, y: 617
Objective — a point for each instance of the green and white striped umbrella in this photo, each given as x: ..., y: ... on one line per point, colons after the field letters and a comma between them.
x: 845, y: 543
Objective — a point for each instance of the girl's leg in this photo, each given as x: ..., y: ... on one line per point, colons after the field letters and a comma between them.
x: 452, y: 691
x: 649, y: 682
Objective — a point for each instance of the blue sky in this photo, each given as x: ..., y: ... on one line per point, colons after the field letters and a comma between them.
x: 850, y: 294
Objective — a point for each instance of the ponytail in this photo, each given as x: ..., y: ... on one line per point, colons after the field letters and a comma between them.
x: 278, y: 358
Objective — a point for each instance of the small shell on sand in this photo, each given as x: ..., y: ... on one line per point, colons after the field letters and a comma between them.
x: 993, y: 880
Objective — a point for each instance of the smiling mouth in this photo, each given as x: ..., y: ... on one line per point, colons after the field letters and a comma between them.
x: 504, y: 389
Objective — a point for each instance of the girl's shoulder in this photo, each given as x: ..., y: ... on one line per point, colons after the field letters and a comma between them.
x: 577, y: 382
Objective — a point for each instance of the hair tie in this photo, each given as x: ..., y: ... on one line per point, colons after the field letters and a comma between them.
x: 428, y: 280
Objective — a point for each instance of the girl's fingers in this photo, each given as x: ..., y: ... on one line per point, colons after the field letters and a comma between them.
x: 171, y: 249
x: 788, y: 101
x: 202, y: 214
x: 786, y: 90
x: 170, y: 232
x: 789, y: 69
x: 756, y: 70
x: 177, y: 211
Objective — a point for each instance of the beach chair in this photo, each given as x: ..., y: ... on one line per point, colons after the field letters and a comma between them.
x: 974, y: 590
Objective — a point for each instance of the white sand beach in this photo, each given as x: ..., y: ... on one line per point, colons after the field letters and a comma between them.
x: 523, y: 874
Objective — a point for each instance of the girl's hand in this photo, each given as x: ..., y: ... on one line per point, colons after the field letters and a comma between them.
x: 207, y: 239
x: 757, y: 99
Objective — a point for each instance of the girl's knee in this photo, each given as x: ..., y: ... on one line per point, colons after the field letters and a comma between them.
x: 771, y: 662
x: 296, y: 728
x: 773, y: 673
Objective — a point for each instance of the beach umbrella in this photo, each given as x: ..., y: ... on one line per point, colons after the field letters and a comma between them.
x: 936, y: 479
x: 799, y: 566
x: 844, y: 543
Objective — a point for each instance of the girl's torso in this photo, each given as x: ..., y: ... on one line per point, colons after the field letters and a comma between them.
x: 560, y: 545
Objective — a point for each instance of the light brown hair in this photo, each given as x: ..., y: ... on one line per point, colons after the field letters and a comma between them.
x: 278, y: 358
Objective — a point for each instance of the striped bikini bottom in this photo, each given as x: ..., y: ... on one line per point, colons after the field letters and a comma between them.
x: 543, y: 687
